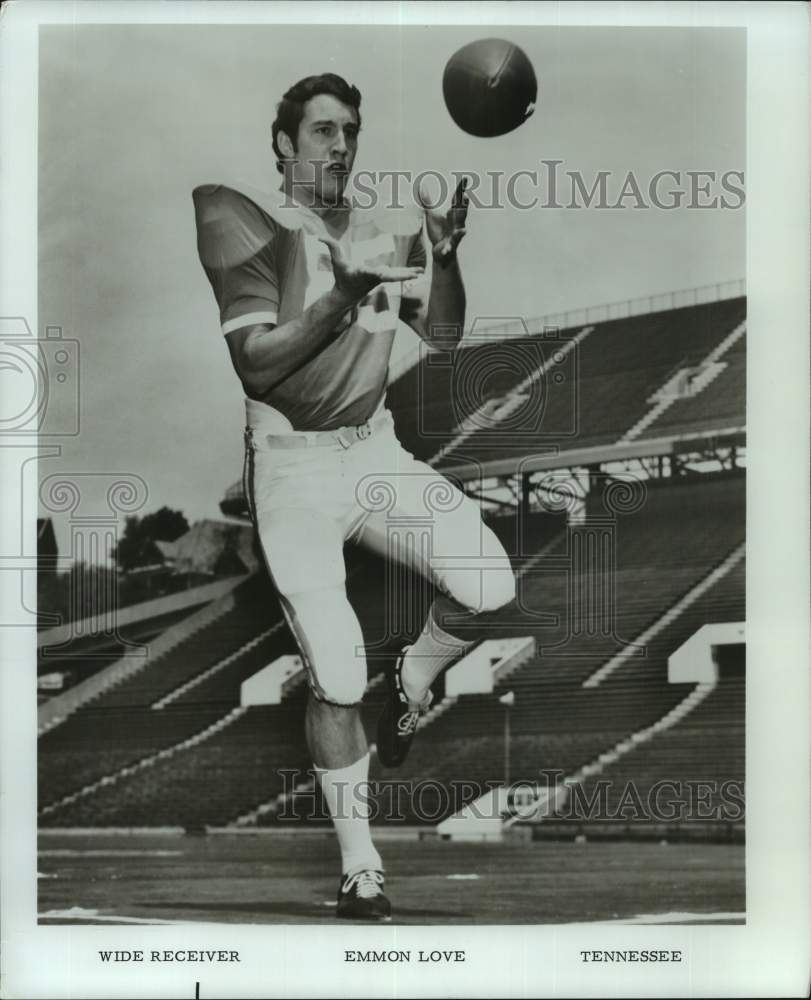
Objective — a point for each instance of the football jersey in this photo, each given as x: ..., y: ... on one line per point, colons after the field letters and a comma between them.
x: 266, y: 264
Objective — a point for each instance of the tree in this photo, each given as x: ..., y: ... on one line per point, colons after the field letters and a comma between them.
x: 137, y: 546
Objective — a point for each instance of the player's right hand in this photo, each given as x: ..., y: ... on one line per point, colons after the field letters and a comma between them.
x: 357, y: 280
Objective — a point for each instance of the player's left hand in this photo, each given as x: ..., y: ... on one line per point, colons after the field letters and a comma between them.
x: 446, y: 230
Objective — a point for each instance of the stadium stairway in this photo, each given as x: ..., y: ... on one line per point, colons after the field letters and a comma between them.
x: 261, y: 646
x: 221, y: 599
x: 122, y: 722
x: 702, y: 752
x: 166, y: 754
x: 682, y: 605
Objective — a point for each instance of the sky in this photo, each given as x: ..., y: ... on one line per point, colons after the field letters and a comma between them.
x: 132, y: 118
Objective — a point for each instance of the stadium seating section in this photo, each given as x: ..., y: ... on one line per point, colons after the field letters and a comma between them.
x: 79, y: 658
x: 170, y: 744
x: 722, y: 404
x: 591, y: 395
x: 706, y: 749
x: 664, y: 549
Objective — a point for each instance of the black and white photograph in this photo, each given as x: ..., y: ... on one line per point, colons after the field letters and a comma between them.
x: 407, y: 497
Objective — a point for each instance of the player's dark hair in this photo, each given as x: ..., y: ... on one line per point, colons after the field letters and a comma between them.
x: 290, y: 109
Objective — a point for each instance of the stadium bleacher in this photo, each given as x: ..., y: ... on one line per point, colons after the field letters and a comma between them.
x: 588, y: 400
x: 688, y: 525
x: 555, y: 721
x: 721, y: 404
x: 707, y: 748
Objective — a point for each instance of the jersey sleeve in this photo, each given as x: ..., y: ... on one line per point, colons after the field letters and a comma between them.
x: 235, y: 242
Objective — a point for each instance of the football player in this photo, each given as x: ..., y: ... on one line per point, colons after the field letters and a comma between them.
x: 310, y: 291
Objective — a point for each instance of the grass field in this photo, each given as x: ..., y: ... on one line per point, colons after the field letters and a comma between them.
x: 293, y: 880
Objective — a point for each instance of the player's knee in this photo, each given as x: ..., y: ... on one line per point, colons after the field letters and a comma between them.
x: 498, y: 580
x: 498, y: 588
x: 486, y: 589
x: 340, y: 683
x: 331, y: 642
x: 489, y: 586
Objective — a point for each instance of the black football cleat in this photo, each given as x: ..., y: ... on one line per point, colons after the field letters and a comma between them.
x: 398, y: 720
x: 361, y: 897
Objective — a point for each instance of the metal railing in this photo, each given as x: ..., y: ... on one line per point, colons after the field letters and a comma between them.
x: 619, y: 309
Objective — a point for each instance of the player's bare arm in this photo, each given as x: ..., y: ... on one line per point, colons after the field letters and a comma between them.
x: 441, y: 320
x: 265, y: 355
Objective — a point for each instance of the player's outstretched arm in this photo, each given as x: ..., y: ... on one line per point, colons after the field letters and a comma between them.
x: 265, y: 355
x: 443, y: 319
x: 357, y: 280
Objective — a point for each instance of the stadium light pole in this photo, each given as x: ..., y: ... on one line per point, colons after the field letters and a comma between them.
x: 507, y: 700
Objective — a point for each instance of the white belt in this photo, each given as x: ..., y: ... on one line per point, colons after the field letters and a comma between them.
x: 345, y: 436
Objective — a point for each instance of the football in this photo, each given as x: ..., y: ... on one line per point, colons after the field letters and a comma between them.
x: 489, y: 87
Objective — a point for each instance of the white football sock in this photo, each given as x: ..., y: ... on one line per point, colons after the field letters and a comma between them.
x: 427, y: 658
x: 346, y: 791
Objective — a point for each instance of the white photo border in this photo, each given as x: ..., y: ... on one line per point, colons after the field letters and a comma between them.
x: 769, y: 956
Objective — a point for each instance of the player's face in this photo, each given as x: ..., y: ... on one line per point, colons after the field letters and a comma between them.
x: 326, y: 146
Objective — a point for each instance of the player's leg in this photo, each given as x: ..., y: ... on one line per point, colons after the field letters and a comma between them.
x: 473, y: 575
x: 304, y: 554
x: 329, y: 638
